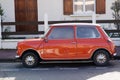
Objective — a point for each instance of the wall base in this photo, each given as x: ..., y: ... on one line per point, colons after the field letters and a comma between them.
x: 116, y: 41
x: 9, y: 44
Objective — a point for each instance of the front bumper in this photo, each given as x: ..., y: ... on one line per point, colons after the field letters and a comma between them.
x: 116, y: 56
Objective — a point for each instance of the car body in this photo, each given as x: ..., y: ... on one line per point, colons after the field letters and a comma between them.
x: 68, y: 41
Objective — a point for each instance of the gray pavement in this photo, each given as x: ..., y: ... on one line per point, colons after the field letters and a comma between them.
x: 9, y: 54
x: 66, y: 71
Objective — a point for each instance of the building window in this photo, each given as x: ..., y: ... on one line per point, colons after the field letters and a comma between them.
x: 71, y: 7
x: 83, y: 6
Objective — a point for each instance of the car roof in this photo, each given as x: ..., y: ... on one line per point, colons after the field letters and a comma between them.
x: 71, y: 24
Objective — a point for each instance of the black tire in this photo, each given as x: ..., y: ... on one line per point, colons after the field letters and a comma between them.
x: 30, y: 60
x: 101, y: 58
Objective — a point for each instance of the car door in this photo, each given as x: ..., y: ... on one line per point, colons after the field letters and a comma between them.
x: 60, y: 44
x: 88, y: 38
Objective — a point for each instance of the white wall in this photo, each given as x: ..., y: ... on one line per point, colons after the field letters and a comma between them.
x: 9, y: 11
x: 54, y: 9
x: 9, y: 44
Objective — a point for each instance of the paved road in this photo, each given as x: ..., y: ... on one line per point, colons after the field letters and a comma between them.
x: 66, y: 71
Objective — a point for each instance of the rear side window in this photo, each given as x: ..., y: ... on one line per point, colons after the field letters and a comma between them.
x: 87, y: 32
x: 62, y: 33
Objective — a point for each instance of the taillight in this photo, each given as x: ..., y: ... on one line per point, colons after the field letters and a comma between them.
x: 112, y: 45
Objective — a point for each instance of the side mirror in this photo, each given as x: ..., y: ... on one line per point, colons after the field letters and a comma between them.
x: 46, y: 39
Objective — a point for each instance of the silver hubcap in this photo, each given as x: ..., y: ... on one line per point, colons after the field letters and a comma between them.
x: 101, y: 58
x: 29, y: 60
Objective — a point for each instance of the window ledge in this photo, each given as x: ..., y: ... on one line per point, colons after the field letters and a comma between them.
x: 82, y: 15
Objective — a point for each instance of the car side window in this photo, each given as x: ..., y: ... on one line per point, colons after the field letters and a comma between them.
x: 62, y: 33
x: 87, y: 32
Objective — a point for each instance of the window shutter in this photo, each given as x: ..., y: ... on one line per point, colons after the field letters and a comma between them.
x: 68, y: 7
x: 100, y: 6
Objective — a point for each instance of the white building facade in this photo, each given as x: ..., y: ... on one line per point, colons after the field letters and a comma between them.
x: 56, y: 10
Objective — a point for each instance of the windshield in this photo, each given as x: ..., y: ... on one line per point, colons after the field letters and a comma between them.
x: 42, y: 36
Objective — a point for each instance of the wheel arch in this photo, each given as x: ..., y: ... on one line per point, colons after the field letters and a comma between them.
x: 100, y: 49
x: 31, y: 50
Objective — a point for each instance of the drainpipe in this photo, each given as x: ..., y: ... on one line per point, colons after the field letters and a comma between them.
x: 94, y: 14
x: 0, y: 34
x: 45, y: 22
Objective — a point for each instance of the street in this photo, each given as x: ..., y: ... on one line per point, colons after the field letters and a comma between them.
x: 61, y: 71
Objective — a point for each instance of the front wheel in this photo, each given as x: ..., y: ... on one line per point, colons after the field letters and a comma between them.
x: 101, y: 58
x: 30, y: 60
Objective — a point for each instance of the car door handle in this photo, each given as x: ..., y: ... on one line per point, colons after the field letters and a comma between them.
x: 73, y: 42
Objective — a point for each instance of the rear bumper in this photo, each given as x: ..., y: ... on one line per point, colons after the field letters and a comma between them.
x: 115, y: 56
x: 17, y: 57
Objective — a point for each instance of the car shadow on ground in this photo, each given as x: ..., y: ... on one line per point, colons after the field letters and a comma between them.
x: 72, y: 65
x: 112, y: 64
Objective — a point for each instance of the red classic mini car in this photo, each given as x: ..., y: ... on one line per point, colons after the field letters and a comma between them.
x: 68, y: 41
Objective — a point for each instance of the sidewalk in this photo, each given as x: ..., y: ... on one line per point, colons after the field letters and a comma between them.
x: 9, y: 55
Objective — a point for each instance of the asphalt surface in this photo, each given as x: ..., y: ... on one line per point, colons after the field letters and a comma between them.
x: 9, y: 55
x: 66, y: 71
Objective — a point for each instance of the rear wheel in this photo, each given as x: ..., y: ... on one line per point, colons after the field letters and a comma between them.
x: 30, y: 60
x: 101, y: 58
